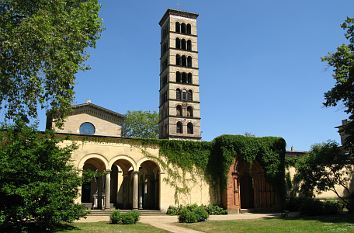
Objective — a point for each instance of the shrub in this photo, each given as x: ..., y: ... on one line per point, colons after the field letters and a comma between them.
x: 215, y: 210
x: 201, y: 214
x: 192, y: 213
x: 2, y: 217
x: 173, y: 210
x: 136, y: 215
x: 130, y: 217
x: 116, y: 217
x: 187, y: 216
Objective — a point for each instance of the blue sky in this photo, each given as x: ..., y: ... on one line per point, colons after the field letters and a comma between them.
x: 260, y: 66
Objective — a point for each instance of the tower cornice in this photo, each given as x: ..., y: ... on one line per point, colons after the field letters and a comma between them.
x: 185, y: 14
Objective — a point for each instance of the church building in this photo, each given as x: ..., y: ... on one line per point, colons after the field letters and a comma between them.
x: 135, y: 176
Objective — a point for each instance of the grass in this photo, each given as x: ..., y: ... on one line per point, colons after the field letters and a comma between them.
x: 277, y: 225
x: 110, y: 228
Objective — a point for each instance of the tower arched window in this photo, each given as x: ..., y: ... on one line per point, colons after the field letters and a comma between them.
x: 190, y: 95
x: 190, y: 128
x: 184, y: 77
x: 179, y: 128
x: 189, y: 111
x: 178, y: 94
x: 178, y: 43
x: 183, y: 28
x: 178, y: 27
x: 189, y: 45
x: 184, y: 95
x: 178, y: 77
x: 178, y: 60
x: 179, y: 110
x: 183, y: 44
x: 189, y: 29
x: 184, y: 61
x: 190, y: 78
x: 189, y: 61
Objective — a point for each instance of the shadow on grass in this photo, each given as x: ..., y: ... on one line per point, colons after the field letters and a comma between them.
x: 32, y: 228
x: 339, y: 218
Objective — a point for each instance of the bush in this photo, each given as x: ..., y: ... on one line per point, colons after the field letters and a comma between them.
x: 193, y: 213
x: 215, y: 210
x: 187, y: 216
x: 130, y: 217
x: 116, y: 217
x: 201, y: 214
x: 311, y: 207
x: 136, y: 215
x: 173, y: 210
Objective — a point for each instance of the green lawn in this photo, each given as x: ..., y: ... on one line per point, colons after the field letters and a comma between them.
x: 275, y: 225
x: 110, y: 228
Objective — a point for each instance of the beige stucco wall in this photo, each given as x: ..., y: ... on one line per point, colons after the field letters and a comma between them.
x: 323, y: 195
x: 102, y: 126
x: 198, y: 190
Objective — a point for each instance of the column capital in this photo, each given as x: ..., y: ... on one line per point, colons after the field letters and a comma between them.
x: 135, y: 172
x: 108, y: 170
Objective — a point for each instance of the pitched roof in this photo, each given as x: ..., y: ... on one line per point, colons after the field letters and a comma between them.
x: 89, y: 104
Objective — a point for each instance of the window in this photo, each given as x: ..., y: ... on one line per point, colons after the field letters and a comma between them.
x: 183, y: 44
x: 179, y: 128
x: 184, y: 95
x: 179, y: 110
x: 184, y: 61
x: 190, y: 78
x: 178, y: 77
x: 189, y: 45
x: 178, y: 27
x: 87, y: 128
x: 184, y: 77
x: 190, y: 128
x: 190, y: 95
x: 178, y: 60
x: 178, y: 43
x: 189, y: 111
x: 178, y: 94
x: 189, y: 61
x: 183, y: 28
x: 189, y: 29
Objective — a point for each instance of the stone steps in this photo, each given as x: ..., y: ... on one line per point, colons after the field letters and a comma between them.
x: 110, y: 211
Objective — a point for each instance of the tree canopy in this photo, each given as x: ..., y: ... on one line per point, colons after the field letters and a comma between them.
x: 325, y: 168
x: 342, y: 61
x: 37, y: 183
x: 42, y: 47
x: 141, y: 124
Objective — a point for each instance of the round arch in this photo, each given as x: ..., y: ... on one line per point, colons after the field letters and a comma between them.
x: 141, y: 161
x: 101, y: 158
x: 123, y: 157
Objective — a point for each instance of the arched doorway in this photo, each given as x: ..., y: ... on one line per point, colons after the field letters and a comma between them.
x: 92, y: 190
x: 246, y: 191
x: 149, y: 185
x: 122, y: 184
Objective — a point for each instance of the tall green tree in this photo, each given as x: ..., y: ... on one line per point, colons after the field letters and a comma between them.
x: 38, y: 184
x: 325, y: 168
x: 141, y: 124
x: 42, y: 47
x: 342, y: 61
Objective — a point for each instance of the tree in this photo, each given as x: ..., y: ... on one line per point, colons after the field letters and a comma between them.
x: 343, y: 91
x: 37, y: 182
x: 42, y: 47
x: 141, y: 124
x: 325, y: 168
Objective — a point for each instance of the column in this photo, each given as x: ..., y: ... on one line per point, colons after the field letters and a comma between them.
x: 108, y: 190
x: 135, y: 190
x: 141, y: 190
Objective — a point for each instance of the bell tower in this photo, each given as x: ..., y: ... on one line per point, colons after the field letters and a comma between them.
x: 179, y: 76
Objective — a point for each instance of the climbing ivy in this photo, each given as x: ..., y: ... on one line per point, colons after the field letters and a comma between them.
x: 213, y: 159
